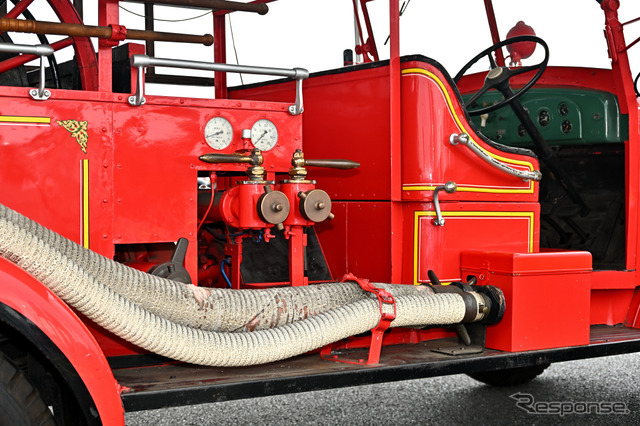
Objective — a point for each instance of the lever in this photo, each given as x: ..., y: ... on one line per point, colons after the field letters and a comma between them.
x: 298, y: 172
x: 174, y: 269
x: 332, y: 164
x: 254, y: 158
x: 256, y: 172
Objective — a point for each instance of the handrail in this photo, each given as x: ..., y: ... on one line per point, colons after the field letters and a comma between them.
x: 259, y: 8
x: 41, y: 50
x: 112, y: 32
x: 464, y: 139
x: 144, y: 61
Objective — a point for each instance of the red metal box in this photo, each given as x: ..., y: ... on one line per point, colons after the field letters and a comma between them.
x: 547, y: 297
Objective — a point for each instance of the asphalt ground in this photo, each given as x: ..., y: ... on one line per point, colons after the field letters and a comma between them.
x: 566, y: 393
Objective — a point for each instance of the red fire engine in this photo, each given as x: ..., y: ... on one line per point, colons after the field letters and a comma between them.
x: 382, y: 220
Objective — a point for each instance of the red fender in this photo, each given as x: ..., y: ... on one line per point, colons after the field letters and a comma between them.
x: 35, y: 302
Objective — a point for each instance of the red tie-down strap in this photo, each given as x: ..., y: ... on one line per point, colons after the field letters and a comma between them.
x: 384, y: 298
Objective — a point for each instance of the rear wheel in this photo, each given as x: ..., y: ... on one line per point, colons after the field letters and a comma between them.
x: 20, y: 402
x: 85, y: 56
x: 509, y: 376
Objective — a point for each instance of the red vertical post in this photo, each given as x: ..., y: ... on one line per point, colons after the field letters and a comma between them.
x: 493, y: 26
x: 628, y: 105
x: 107, y: 15
x: 235, y: 251
x: 220, y: 54
x: 297, y: 244
x: 396, y: 143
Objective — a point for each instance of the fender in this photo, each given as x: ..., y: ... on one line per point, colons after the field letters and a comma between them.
x: 51, y: 326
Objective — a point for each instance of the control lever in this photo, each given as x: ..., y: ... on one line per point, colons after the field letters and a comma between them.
x: 256, y: 172
x: 174, y: 269
x: 332, y: 164
x: 298, y: 172
x: 314, y: 205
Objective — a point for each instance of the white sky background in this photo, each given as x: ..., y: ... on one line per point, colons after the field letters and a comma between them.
x: 313, y: 33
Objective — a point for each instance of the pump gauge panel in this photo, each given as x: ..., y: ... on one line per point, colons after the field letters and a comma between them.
x: 264, y: 135
x: 218, y: 133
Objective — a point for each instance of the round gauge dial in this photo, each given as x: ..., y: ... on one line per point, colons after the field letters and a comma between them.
x: 544, y: 117
x: 264, y: 135
x: 218, y: 133
x: 563, y: 109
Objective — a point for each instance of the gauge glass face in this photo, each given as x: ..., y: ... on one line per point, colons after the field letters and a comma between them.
x: 264, y: 135
x: 563, y: 109
x: 544, y: 118
x: 218, y: 133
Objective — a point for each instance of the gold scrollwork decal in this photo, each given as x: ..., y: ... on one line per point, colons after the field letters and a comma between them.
x: 78, y: 130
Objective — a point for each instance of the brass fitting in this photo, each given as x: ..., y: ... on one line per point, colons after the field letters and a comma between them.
x: 298, y: 173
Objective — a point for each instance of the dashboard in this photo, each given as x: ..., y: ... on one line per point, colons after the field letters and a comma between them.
x: 563, y: 116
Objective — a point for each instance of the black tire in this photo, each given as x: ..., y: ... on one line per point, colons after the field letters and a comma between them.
x: 20, y: 402
x: 509, y: 376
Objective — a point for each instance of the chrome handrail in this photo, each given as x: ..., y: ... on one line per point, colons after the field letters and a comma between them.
x: 41, y: 50
x: 144, y: 61
x: 464, y: 139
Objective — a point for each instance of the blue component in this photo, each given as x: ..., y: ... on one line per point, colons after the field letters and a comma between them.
x: 224, y: 274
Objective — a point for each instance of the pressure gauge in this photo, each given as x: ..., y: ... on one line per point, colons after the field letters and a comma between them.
x: 264, y: 135
x: 218, y: 133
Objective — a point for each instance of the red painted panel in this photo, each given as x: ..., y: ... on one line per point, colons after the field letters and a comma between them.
x: 41, y: 167
x: 369, y: 240
x: 352, y: 244
x: 430, y: 114
x: 610, y: 307
x: 505, y: 227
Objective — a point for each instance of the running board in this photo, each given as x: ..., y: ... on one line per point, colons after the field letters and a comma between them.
x: 172, y: 384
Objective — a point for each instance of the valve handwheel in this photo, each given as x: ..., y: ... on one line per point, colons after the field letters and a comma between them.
x: 499, y: 76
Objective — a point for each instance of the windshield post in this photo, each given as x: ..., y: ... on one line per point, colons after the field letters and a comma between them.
x: 220, y: 54
x: 395, y: 151
x: 493, y: 26
x: 628, y: 105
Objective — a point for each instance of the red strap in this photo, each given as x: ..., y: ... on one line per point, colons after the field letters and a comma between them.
x: 384, y: 298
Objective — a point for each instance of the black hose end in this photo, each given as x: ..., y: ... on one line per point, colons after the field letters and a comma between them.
x: 497, y: 303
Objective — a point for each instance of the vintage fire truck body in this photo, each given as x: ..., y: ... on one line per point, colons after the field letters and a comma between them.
x: 387, y: 171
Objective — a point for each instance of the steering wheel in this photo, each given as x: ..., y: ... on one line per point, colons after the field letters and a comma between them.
x: 498, y: 77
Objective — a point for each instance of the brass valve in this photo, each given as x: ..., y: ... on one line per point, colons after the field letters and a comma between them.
x: 298, y: 171
x: 255, y: 172
x: 273, y: 207
x: 315, y: 205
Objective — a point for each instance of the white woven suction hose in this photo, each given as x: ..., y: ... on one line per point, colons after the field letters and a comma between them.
x: 87, y: 291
